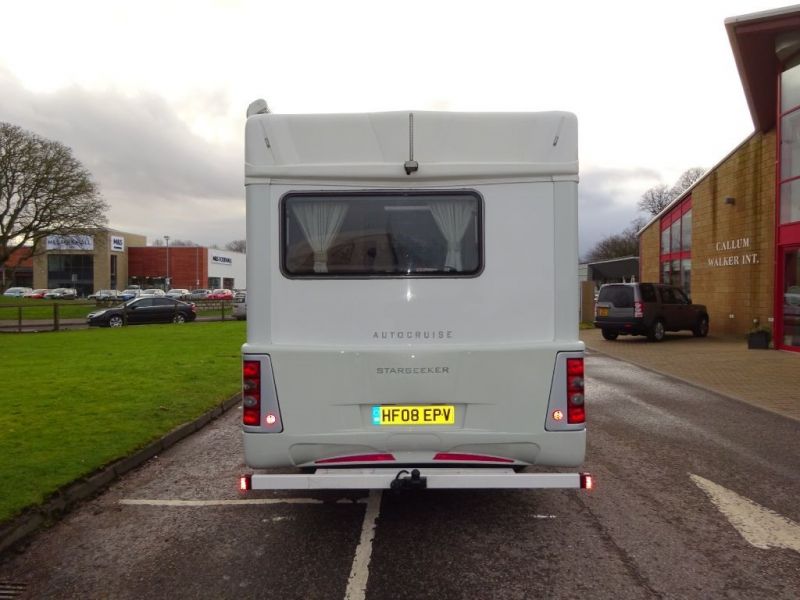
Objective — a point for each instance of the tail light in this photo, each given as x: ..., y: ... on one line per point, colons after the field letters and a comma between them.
x: 576, y: 411
x: 638, y: 310
x: 193, y: 307
x: 251, y: 392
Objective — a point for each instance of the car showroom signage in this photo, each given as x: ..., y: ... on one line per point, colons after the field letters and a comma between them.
x: 221, y: 260
x: 737, y: 252
x: 117, y: 243
x: 70, y: 242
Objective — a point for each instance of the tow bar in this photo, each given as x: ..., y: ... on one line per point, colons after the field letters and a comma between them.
x: 411, y: 481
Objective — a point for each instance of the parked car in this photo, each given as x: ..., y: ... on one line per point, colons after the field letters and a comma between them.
x: 649, y: 309
x: 105, y: 295
x: 152, y: 292
x: 39, y: 293
x: 240, y: 305
x: 178, y: 294
x: 130, y: 293
x: 62, y: 294
x: 143, y: 310
x: 199, y: 294
x: 17, y: 292
x: 221, y: 295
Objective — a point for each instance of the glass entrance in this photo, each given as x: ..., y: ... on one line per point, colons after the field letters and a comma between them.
x: 790, y: 313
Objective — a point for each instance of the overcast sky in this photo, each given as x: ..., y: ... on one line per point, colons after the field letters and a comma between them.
x: 151, y: 95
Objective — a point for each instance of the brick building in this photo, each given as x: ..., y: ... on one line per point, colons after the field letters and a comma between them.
x: 109, y: 259
x: 186, y: 267
x: 17, y: 270
x: 732, y: 240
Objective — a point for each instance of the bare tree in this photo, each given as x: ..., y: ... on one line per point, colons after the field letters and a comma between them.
x: 44, y: 190
x: 687, y: 180
x: 655, y: 199
x: 658, y: 197
x: 237, y: 246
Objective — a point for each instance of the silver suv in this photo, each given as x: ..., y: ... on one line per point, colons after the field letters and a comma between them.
x: 649, y: 309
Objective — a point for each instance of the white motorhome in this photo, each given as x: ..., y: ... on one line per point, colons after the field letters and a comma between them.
x: 412, y: 300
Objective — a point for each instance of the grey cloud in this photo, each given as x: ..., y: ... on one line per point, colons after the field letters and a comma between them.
x: 607, y: 202
x: 158, y: 177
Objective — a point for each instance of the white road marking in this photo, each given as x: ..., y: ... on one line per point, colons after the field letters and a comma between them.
x: 242, y: 502
x: 359, y: 572
x: 760, y: 526
x: 543, y: 516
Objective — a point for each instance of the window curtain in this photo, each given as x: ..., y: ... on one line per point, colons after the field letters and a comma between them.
x: 320, y: 222
x: 452, y: 218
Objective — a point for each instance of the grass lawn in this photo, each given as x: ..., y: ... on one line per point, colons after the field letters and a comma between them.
x: 73, y: 401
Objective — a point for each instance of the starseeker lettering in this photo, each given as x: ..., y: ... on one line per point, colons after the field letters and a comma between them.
x: 412, y: 370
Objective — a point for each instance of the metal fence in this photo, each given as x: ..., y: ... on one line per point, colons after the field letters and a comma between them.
x: 71, y: 314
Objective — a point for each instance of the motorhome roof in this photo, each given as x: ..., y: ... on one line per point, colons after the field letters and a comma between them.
x: 378, y: 146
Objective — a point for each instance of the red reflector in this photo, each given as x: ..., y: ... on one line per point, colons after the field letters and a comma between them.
x: 355, y: 458
x: 251, y: 369
x: 576, y: 414
x: 575, y: 366
x: 587, y: 483
x: 244, y: 483
x: 250, y: 416
x: 461, y: 457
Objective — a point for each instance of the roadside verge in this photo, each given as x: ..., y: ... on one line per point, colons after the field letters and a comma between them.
x: 18, y: 528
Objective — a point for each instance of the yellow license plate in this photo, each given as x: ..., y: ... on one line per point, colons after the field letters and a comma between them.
x: 414, y: 415
x: 602, y: 312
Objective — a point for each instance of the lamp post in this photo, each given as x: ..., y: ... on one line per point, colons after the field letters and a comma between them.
x: 166, y: 281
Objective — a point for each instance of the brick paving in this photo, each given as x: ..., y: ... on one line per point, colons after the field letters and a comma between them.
x: 769, y: 379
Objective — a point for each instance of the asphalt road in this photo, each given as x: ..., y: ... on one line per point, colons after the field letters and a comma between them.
x: 675, y: 467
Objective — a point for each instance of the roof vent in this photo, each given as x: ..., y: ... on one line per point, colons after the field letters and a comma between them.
x: 258, y: 107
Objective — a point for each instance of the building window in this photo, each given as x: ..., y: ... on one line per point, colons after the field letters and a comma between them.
x: 686, y: 231
x: 113, y: 271
x: 791, y: 298
x: 71, y: 271
x: 790, y: 146
x: 676, y: 246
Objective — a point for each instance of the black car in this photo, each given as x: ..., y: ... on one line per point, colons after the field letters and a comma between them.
x: 649, y: 309
x: 144, y: 310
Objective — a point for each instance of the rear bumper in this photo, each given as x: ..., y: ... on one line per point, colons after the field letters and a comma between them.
x: 622, y: 326
x: 434, y: 478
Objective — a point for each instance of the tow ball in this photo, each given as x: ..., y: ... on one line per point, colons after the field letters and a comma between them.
x: 409, y: 481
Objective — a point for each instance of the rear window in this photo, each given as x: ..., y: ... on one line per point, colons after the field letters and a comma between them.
x: 621, y: 296
x: 648, y: 292
x: 393, y: 234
